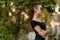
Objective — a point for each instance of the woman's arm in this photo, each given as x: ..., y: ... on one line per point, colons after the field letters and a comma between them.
x: 41, y: 32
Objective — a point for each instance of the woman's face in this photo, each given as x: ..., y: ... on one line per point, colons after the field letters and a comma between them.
x: 39, y: 9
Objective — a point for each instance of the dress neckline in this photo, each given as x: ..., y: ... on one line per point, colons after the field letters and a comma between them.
x: 37, y: 21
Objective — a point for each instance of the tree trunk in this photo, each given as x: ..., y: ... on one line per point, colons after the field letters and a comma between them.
x: 17, y: 25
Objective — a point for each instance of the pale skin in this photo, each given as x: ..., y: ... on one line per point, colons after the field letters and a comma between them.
x: 37, y: 13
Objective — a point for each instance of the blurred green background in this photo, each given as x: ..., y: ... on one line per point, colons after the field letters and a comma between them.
x: 14, y: 16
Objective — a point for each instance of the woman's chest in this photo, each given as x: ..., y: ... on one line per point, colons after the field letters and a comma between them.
x: 42, y: 25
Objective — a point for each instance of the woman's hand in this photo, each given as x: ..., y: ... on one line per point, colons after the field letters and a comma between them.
x: 48, y: 28
x: 43, y: 33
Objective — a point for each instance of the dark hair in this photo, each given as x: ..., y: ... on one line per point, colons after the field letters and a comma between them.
x: 32, y: 9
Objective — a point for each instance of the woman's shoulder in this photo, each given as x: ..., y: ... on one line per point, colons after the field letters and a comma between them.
x: 35, y: 22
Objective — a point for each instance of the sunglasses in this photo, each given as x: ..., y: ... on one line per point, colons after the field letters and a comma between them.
x: 41, y: 8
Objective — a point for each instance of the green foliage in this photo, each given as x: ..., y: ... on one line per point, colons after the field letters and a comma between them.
x: 7, y: 29
x: 26, y: 27
x: 6, y: 33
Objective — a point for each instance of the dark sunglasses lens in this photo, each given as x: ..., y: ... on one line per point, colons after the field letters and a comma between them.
x: 41, y: 8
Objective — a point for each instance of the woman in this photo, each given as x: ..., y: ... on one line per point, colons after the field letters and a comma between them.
x: 38, y: 26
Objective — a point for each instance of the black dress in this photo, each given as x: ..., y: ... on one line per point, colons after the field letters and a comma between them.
x: 42, y: 26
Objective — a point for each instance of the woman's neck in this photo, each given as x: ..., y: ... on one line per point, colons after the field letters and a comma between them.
x: 35, y: 17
